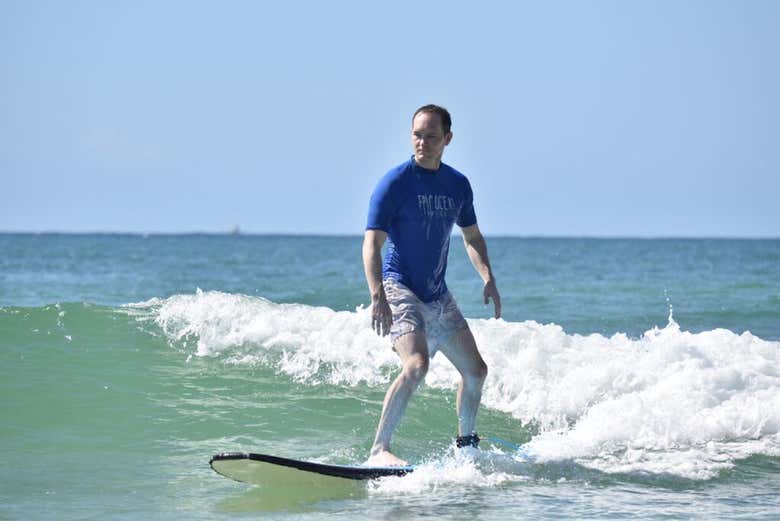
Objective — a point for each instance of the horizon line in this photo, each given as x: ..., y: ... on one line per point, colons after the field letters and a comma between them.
x: 237, y: 233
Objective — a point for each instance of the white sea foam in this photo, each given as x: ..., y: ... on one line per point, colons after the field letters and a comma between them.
x: 670, y: 402
x: 478, y: 469
x: 311, y: 344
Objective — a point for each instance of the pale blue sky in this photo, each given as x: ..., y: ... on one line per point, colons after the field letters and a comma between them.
x: 570, y: 118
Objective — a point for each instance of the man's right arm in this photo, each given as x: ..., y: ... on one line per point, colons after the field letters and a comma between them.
x: 381, y: 316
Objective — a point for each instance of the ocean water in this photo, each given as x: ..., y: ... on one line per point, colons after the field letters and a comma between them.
x: 642, y: 378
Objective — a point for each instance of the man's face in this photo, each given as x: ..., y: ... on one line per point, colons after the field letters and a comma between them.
x: 429, y: 139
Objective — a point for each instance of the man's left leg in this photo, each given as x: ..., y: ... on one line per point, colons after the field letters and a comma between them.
x: 463, y: 353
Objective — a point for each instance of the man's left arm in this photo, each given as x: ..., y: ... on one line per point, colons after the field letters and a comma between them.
x: 477, y: 252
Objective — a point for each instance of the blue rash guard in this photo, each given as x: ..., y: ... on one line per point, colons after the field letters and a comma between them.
x: 417, y: 208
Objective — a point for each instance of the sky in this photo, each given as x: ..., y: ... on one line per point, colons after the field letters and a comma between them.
x: 578, y: 118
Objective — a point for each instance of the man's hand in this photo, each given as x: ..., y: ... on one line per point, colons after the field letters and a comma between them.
x: 490, y: 291
x: 381, y: 315
x: 477, y: 251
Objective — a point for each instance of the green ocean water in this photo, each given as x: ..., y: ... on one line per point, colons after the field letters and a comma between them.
x: 641, y: 375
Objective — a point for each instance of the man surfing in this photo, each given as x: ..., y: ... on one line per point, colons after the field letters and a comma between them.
x: 413, y: 208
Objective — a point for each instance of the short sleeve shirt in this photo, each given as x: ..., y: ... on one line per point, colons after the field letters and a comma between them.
x: 417, y: 208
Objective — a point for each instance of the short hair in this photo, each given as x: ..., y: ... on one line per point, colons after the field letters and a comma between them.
x: 444, y: 115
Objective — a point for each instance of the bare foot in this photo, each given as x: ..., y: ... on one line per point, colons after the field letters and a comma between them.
x: 385, y: 458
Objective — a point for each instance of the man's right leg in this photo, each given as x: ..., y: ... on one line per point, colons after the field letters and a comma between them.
x: 413, y: 350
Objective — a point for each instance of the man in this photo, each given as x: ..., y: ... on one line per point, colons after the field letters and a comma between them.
x: 414, y: 207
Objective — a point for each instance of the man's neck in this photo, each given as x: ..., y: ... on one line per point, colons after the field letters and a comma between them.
x: 427, y: 165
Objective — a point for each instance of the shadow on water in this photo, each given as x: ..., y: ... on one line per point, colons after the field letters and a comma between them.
x: 286, y: 496
x: 290, y: 498
x: 307, y: 495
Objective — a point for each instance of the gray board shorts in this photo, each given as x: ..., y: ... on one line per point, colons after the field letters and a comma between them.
x: 439, y: 320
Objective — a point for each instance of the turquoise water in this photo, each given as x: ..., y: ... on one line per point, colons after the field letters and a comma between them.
x: 641, y: 375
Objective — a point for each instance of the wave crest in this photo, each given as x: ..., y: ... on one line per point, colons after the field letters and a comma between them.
x: 670, y: 401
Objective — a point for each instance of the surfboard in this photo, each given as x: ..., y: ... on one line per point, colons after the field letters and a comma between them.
x: 260, y: 469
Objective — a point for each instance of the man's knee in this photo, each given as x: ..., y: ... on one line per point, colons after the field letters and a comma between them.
x: 415, y: 368
x: 478, y: 372
x: 469, y: 362
x: 482, y: 370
